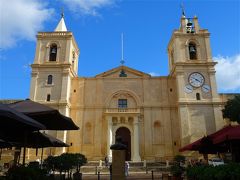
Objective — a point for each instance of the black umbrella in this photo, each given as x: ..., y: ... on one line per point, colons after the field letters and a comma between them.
x: 14, y: 124
x: 5, y: 144
x: 42, y: 140
x: 48, y: 116
x: 12, y: 121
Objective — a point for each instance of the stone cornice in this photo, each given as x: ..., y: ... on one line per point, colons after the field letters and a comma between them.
x: 67, y: 34
x: 51, y: 65
x: 180, y: 67
x: 103, y: 108
x: 126, y: 78
x: 196, y: 63
x: 182, y: 102
x: 199, y: 34
x: 55, y: 103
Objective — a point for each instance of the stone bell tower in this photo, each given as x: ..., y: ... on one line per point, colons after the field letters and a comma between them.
x: 55, y: 64
x: 191, y: 64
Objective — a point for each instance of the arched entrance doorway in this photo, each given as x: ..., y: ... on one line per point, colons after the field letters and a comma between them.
x: 126, y: 139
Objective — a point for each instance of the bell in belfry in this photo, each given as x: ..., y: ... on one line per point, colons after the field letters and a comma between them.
x: 54, y: 51
x: 192, y: 49
x: 189, y: 23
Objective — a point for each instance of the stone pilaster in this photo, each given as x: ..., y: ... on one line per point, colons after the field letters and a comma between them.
x: 110, y: 135
x: 136, y: 156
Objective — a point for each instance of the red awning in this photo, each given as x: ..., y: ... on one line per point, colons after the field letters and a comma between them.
x: 226, y: 134
x: 212, y: 143
x: 197, y: 145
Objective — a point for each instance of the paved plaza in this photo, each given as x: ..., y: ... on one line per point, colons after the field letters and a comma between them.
x: 132, y: 176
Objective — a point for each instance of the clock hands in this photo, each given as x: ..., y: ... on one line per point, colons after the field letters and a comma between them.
x: 197, y: 80
x: 206, y: 88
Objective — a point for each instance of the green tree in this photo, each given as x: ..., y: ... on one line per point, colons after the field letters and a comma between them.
x: 65, y: 162
x: 232, y: 109
x: 50, y: 163
x: 79, y: 160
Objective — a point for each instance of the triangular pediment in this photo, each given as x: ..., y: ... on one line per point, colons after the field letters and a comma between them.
x: 129, y: 72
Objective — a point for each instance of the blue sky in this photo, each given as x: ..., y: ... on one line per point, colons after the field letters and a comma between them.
x: 97, y: 26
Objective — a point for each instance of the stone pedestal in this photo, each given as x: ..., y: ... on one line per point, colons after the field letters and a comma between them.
x: 118, y: 160
x: 118, y: 164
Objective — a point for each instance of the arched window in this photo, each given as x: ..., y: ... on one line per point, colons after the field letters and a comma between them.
x: 49, y: 80
x: 48, y: 97
x: 192, y: 51
x: 198, y: 96
x: 53, y: 52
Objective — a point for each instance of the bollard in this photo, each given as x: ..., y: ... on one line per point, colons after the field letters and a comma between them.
x: 110, y: 171
x: 144, y: 163
x: 96, y: 170
x: 152, y: 175
x: 98, y: 177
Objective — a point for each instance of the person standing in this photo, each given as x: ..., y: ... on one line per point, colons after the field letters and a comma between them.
x: 126, y: 168
x: 106, y: 160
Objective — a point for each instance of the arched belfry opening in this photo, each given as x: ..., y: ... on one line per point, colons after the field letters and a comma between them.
x: 53, y: 52
x: 125, y: 134
x: 192, y: 51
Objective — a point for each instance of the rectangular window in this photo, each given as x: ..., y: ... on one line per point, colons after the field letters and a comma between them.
x: 122, y: 103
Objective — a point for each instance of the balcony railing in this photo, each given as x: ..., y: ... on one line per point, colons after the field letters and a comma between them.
x: 122, y: 110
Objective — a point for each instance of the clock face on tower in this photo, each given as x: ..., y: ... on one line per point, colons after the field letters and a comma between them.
x: 196, y: 79
x: 206, y: 88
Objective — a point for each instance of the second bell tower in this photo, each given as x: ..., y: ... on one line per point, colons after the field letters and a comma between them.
x: 191, y: 64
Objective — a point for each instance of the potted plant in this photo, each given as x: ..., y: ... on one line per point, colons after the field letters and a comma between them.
x: 177, y: 169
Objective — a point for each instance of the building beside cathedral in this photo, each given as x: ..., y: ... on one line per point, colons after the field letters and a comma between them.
x: 155, y: 116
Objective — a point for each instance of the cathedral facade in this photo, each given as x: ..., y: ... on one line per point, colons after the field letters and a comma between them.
x: 155, y: 116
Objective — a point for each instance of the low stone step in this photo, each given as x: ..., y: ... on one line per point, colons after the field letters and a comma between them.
x: 103, y: 169
x: 92, y: 163
x: 136, y: 164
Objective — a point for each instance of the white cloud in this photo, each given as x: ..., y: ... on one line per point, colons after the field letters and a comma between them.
x: 21, y: 19
x: 27, y: 67
x: 228, y: 72
x: 154, y: 74
x: 88, y: 7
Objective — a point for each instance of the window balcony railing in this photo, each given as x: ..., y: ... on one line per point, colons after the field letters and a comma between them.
x: 123, y: 110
